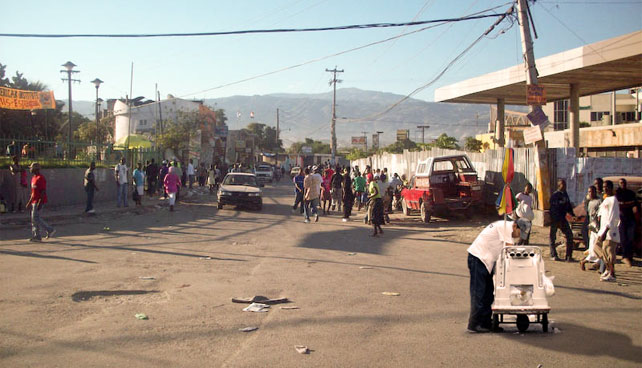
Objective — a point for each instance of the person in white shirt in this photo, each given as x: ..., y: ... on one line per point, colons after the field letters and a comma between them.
x: 121, y: 172
x: 609, y: 234
x: 482, y: 255
x: 190, y: 172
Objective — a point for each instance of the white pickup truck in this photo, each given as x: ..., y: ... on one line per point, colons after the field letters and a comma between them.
x: 264, y: 174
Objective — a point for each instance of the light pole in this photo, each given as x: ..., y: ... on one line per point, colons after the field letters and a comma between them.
x: 69, y: 66
x: 97, y: 83
x: 423, y: 128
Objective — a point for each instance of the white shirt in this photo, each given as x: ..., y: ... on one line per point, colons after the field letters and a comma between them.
x: 121, y: 171
x: 525, y: 198
x: 190, y: 169
x: 489, y: 243
x: 318, y: 180
x: 609, y: 214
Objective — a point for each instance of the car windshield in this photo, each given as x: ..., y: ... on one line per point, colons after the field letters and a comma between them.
x: 240, y: 180
x: 263, y: 168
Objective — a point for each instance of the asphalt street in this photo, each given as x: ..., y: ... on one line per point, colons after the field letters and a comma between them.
x: 72, y: 300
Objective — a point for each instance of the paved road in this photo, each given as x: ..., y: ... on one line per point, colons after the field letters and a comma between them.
x: 71, y: 301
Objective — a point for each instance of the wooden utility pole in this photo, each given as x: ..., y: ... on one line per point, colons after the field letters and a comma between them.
x: 333, y: 130
x: 277, y: 127
x: 543, y: 179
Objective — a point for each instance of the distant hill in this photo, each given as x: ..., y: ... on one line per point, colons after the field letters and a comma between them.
x: 308, y: 115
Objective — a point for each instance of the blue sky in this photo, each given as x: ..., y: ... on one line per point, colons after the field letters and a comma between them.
x: 188, y: 66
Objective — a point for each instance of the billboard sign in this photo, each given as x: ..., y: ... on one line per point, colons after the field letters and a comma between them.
x: 403, y: 135
x: 306, y: 149
x: 359, y: 141
x: 535, y: 95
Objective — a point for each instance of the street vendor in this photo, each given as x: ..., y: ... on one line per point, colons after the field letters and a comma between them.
x: 482, y: 255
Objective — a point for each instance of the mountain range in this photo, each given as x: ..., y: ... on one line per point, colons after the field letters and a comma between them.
x: 309, y: 115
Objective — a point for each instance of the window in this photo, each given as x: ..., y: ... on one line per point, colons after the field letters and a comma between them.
x: 560, y: 113
x: 628, y: 116
x: 597, y: 115
x: 443, y: 166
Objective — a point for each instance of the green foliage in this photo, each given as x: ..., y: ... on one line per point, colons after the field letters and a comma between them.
x: 446, y: 142
x: 472, y: 144
x: 86, y: 132
x: 399, y: 146
x: 356, y: 154
x: 176, y: 134
x: 266, y: 137
x: 317, y: 146
x: 584, y: 124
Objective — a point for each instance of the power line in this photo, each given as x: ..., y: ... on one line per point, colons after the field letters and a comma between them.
x: 249, y: 31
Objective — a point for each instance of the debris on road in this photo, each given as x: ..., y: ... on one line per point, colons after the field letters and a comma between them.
x: 141, y: 316
x: 206, y: 258
x: 257, y: 308
x: 290, y: 308
x: 260, y: 299
x: 390, y: 293
x: 147, y: 278
x: 184, y: 286
x: 302, y: 349
x: 365, y: 268
x: 352, y: 254
x: 248, y: 329
x: 106, y: 228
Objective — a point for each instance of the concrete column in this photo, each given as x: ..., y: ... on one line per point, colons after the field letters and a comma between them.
x: 613, y: 109
x: 574, y: 117
x: 501, y: 123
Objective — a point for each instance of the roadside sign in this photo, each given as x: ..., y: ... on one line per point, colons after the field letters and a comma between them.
x: 403, y: 135
x: 221, y: 131
x: 537, y: 117
x: 359, y: 141
x: 375, y: 140
x: 535, y: 95
x: 532, y: 134
x: 306, y: 149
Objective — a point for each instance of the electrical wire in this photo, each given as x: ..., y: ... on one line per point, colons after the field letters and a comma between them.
x: 250, y: 31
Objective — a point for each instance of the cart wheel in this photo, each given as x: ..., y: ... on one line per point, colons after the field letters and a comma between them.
x: 495, y: 321
x: 522, y: 322
x: 545, y: 322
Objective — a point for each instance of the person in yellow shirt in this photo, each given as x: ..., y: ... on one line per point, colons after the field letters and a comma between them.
x: 375, y: 206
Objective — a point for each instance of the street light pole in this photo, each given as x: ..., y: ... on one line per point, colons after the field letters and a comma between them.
x: 423, y: 128
x: 69, y: 66
x: 97, y: 83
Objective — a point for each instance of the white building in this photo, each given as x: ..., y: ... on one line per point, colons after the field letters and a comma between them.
x: 145, y: 118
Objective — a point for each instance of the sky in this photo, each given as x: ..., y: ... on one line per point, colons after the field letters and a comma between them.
x: 193, y: 67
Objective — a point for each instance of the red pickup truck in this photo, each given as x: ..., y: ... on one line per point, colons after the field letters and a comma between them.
x: 442, y: 184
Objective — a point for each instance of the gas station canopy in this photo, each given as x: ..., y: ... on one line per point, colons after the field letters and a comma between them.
x: 604, y: 66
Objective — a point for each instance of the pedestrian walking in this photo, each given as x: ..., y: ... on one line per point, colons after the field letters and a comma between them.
x: 37, y: 201
x: 151, y: 175
x: 311, y: 196
x: 348, y: 195
x: 211, y: 178
x: 172, y: 184
x: 190, y: 173
x: 139, y: 184
x: 161, y: 176
x: 337, y: 189
x: 89, y: 182
x: 482, y: 255
x: 20, y: 185
x: 560, y: 205
x: 121, y: 172
x: 298, y: 192
x: 359, y: 185
x: 592, y: 206
x: 326, y: 191
x: 609, y: 234
x: 628, y: 207
x: 375, y: 207
x: 524, y: 212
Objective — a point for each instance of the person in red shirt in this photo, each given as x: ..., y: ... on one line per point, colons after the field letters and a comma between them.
x: 37, y: 201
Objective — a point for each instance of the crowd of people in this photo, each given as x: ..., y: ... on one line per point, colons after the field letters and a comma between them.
x: 329, y: 189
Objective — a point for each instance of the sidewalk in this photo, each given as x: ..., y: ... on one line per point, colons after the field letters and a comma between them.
x: 58, y: 214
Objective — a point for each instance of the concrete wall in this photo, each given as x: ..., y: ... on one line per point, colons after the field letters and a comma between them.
x: 65, y: 186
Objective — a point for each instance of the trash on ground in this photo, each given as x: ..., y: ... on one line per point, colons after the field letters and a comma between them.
x: 539, y: 366
x: 248, y: 329
x: 289, y: 308
x: 302, y: 349
x: 623, y: 284
x: 206, y: 258
x: 556, y: 330
x: 352, y: 254
x: 257, y: 308
x: 141, y: 316
x: 147, y: 278
x: 260, y: 299
x: 184, y: 286
x: 365, y: 267
x: 390, y: 293
x: 106, y: 228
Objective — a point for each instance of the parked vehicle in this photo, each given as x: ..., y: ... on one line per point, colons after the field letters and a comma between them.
x: 240, y: 189
x: 264, y: 174
x: 442, y: 184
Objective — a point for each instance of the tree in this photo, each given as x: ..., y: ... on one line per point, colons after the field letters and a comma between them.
x: 266, y: 137
x: 317, y: 146
x: 176, y: 134
x: 86, y: 132
x: 447, y: 142
x: 399, y: 146
x: 356, y: 154
x: 472, y: 144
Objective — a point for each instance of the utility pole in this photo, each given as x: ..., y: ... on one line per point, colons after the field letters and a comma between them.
x: 333, y: 130
x: 97, y: 82
x: 543, y: 181
x: 365, y: 135
x: 277, y: 127
x: 378, y: 139
x: 69, y: 70
x: 423, y: 127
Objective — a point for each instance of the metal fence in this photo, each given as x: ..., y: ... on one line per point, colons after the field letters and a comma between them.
x: 74, y: 154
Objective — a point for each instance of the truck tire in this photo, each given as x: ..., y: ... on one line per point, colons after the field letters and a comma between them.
x: 404, y: 208
x: 522, y: 322
x: 219, y: 206
x: 425, y: 213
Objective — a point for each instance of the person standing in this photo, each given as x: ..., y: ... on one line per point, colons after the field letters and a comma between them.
x: 190, y: 173
x: 326, y: 196
x: 560, y: 205
x: 161, y: 176
x: 311, y: 196
x: 211, y: 178
x: 375, y: 207
x: 20, y: 185
x: 121, y: 172
x: 151, y: 174
x: 298, y: 192
x: 592, y: 206
x: 609, y: 234
x: 628, y: 207
x: 524, y: 211
x: 37, y: 201
x: 139, y: 184
x: 482, y: 255
x: 348, y: 195
x: 90, y: 187
x: 359, y: 185
x: 337, y: 191
x: 172, y: 184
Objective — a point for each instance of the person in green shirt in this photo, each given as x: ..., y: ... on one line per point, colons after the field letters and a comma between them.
x: 375, y: 207
x: 359, y: 185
